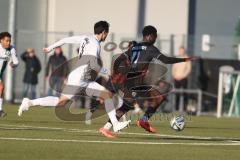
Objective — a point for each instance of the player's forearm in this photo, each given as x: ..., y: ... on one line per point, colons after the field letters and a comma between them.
x: 69, y: 40
x: 14, y: 58
x: 55, y: 45
x: 171, y: 60
x: 15, y: 62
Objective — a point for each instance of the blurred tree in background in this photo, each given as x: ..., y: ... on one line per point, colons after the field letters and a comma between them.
x: 237, y: 29
x: 236, y: 40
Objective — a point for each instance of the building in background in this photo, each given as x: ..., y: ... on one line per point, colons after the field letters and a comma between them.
x: 178, y: 17
x: 179, y: 23
x: 30, y: 16
x: 41, y: 22
x: 217, y: 18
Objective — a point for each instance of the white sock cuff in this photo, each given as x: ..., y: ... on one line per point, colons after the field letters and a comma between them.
x: 1, y: 102
x: 108, y: 126
x: 110, y: 109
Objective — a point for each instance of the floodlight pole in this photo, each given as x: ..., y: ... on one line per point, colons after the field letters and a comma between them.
x: 9, y: 72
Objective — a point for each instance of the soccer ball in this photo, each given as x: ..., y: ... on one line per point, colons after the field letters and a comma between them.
x: 177, y: 123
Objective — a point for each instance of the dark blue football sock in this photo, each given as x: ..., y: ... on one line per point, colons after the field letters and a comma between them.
x: 148, y: 114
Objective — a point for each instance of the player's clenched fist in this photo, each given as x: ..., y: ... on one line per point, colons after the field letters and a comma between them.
x: 45, y: 50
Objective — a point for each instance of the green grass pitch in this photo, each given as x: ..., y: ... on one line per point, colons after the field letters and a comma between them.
x: 39, y: 134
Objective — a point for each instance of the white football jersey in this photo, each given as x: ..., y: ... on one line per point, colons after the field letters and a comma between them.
x: 88, y: 45
x: 8, y: 54
x: 5, y: 56
x: 90, y: 62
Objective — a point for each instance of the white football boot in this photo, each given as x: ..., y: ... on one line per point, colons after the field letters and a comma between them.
x: 120, y: 125
x: 24, y: 106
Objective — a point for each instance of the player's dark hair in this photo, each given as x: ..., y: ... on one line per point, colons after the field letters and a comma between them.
x: 5, y: 34
x: 101, y: 26
x: 149, y: 30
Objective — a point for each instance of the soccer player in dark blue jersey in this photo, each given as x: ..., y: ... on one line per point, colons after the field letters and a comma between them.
x: 130, y: 70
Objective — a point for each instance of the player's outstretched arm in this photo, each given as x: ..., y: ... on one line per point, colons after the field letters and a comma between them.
x: 192, y: 59
x: 172, y: 60
x: 14, y: 59
x: 69, y: 40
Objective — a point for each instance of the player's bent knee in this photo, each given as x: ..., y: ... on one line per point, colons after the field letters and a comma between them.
x: 106, y: 95
x: 63, y: 100
x: 1, y: 87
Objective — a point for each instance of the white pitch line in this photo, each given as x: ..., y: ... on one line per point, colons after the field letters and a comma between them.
x: 123, y: 133
x: 5, y: 126
x: 118, y: 142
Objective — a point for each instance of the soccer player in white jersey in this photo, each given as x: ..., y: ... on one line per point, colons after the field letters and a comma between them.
x: 7, y: 53
x: 84, y: 75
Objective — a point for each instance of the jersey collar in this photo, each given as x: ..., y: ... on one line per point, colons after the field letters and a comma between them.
x: 97, y: 39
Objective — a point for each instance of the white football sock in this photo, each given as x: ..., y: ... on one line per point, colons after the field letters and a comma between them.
x: 124, y: 118
x: 1, y: 102
x: 109, y: 107
x: 120, y: 102
x: 46, y: 101
x: 88, y: 115
x: 107, y: 126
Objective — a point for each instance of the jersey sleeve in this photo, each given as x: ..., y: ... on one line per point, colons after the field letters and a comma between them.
x: 121, y: 63
x: 14, y: 57
x: 69, y: 40
x: 170, y: 60
x: 166, y: 59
